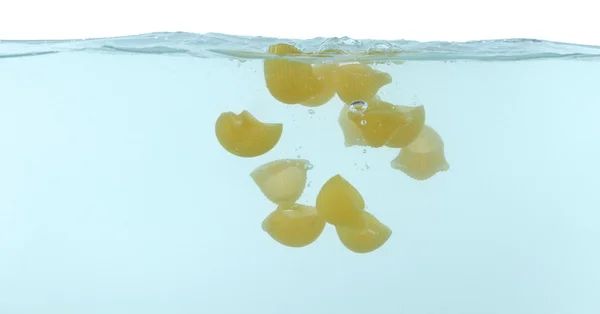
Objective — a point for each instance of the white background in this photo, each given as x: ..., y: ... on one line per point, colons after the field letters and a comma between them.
x: 574, y: 21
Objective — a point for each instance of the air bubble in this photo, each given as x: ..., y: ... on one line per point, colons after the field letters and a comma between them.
x: 364, y: 150
x: 363, y: 122
x: 358, y: 106
x: 309, y: 166
x: 311, y: 111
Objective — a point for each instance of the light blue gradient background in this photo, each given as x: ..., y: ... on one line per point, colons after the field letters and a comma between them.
x: 115, y: 196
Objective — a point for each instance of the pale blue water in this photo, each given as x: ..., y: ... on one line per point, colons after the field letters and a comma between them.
x: 115, y: 196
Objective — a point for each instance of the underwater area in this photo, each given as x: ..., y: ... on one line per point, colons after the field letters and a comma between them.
x: 188, y: 173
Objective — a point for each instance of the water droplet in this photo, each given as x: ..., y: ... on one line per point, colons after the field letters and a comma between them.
x: 363, y: 122
x: 311, y: 111
x: 358, y: 106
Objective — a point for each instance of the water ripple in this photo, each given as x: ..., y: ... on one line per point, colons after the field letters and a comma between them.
x: 237, y: 47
